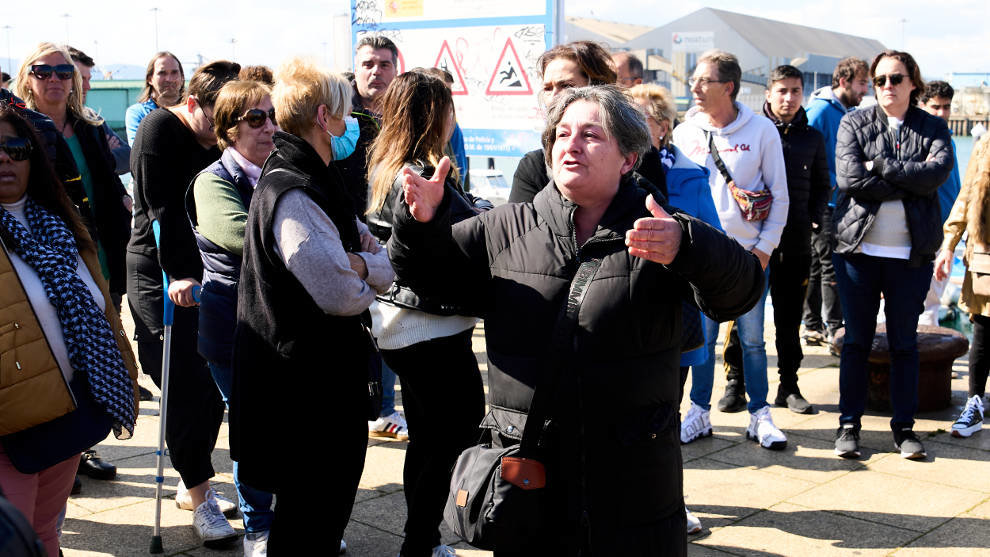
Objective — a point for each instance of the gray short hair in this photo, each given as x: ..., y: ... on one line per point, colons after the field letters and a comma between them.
x: 621, y: 119
x: 727, y: 66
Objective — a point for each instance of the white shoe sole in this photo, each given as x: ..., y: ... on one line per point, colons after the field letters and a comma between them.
x: 848, y: 454
x: 773, y: 445
x: 705, y: 433
x: 966, y: 431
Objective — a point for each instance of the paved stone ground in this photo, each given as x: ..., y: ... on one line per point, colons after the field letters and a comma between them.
x: 800, y: 501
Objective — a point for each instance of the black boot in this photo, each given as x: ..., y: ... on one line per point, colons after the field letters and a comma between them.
x: 789, y: 395
x: 734, y: 399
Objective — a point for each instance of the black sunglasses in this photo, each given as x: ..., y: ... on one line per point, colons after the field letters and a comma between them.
x: 256, y: 117
x: 44, y: 71
x: 881, y: 80
x: 17, y: 148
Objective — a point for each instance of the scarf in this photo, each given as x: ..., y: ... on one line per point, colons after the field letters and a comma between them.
x: 50, y: 249
x: 667, y: 157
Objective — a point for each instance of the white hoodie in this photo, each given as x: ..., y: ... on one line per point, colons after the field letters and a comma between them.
x: 750, y: 148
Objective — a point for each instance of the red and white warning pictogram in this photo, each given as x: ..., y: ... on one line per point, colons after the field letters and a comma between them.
x: 446, y: 61
x: 509, y: 77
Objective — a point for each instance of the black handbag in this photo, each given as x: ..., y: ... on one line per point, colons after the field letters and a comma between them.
x: 497, y: 494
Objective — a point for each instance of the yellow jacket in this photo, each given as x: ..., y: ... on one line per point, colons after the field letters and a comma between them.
x: 32, y: 388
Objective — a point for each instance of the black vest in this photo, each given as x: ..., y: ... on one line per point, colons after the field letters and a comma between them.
x: 221, y: 270
x: 286, y: 349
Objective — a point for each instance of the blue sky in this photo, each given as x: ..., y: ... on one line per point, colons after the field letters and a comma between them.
x: 947, y: 35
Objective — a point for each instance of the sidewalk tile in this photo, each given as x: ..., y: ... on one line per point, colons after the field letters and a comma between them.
x: 946, y: 464
x: 964, y: 536
x: 805, y: 458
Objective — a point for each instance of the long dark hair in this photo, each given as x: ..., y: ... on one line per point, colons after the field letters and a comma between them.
x: 43, y: 185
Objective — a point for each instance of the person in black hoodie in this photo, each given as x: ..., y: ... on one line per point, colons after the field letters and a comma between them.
x: 310, y: 270
x: 808, y: 190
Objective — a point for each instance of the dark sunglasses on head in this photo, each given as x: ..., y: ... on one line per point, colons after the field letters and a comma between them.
x: 17, y: 148
x: 256, y: 117
x: 62, y: 71
x: 881, y: 80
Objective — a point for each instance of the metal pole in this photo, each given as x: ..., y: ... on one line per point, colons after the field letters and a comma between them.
x: 155, y: 11
x: 10, y: 63
x: 66, y: 17
x: 233, y: 49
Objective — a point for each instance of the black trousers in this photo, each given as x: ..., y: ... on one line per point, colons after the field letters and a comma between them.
x: 788, y: 282
x: 195, y: 408
x: 823, y: 290
x: 979, y: 355
x: 444, y: 402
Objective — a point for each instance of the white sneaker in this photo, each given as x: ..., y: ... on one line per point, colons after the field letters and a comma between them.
x: 393, y: 425
x: 696, y: 424
x: 971, y: 419
x: 211, y: 526
x: 693, y: 524
x: 444, y: 551
x: 762, y: 430
x: 184, y: 501
x: 256, y: 544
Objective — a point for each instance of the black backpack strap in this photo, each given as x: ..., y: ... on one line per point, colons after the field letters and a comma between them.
x: 538, y: 419
x: 718, y: 159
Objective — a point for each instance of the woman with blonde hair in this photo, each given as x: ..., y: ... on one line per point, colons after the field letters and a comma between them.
x: 309, y: 272
x: 971, y: 214
x: 426, y: 343
x: 49, y: 83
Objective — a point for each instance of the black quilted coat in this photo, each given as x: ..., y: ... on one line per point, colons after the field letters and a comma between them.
x: 613, y: 456
x: 909, y: 168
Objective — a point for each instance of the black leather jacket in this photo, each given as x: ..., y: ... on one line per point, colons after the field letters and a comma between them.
x: 910, y: 168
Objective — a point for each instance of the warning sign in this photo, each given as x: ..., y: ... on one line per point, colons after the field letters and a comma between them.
x: 509, y: 77
x: 445, y: 61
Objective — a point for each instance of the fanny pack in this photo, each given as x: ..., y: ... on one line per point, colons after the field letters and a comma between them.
x: 754, y: 205
x: 497, y: 494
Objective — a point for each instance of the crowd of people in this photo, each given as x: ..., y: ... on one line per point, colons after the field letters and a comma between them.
x: 314, y: 229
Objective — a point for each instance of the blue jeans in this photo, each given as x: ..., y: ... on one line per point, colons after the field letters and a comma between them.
x: 862, y: 279
x: 256, y: 505
x: 388, y: 391
x: 750, y: 329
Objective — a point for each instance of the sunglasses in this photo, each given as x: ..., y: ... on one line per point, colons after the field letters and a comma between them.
x: 256, y: 117
x: 17, y: 148
x: 881, y: 80
x: 45, y: 71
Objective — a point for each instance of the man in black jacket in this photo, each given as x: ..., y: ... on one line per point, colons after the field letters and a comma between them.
x: 808, y: 189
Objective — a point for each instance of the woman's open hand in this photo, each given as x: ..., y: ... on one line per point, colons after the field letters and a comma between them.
x: 656, y: 238
x: 424, y: 196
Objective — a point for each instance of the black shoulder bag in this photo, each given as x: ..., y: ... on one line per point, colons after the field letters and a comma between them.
x: 498, y: 494
x: 754, y: 205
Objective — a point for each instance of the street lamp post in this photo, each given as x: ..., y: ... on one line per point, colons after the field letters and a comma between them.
x: 10, y: 63
x: 66, y: 17
x: 155, y: 11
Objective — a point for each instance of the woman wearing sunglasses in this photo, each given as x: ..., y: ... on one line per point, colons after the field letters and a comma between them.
x: 890, y: 160
x: 49, y: 83
x: 68, y: 376
x: 217, y: 204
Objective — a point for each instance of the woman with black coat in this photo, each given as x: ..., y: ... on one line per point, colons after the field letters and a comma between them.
x: 890, y: 161
x: 611, y: 446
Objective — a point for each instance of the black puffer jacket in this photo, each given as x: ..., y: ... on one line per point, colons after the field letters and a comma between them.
x: 615, y: 448
x: 910, y: 169
x: 807, y: 180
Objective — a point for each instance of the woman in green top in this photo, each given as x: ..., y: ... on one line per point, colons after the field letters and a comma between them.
x: 217, y: 205
x: 49, y: 83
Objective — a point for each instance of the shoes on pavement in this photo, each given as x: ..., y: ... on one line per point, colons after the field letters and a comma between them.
x: 90, y: 464
x: 762, y: 430
x: 184, y: 501
x: 693, y: 524
x: 76, y: 486
x: 830, y: 340
x: 145, y: 394
x: 256, y: 544
x: 393, y: 425
x: 907, y: 442
x: 211, y: 526
x: 734, y: 399
x: 847, y: 441
x: 696, y: 424
x: 790, y: 398
x: 813, y: 337
x: 971, y: 419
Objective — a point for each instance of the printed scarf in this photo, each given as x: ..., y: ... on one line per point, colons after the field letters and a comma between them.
x: 50, y: 249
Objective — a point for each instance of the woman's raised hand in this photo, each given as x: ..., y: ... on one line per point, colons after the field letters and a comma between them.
x: 424, y: 196
x: 656, y: 238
